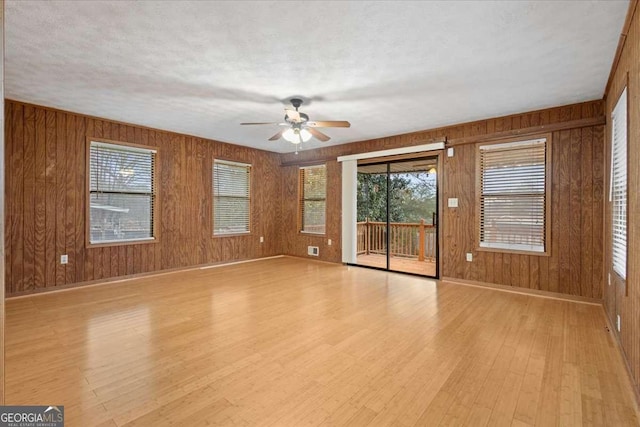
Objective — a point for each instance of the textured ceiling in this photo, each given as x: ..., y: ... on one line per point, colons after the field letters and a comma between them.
x: 201, y: 68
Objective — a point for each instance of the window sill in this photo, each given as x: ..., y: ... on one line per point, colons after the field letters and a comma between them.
x: 514, y: 251
x: 90, y: 245
x: 218, y: 236
x: 311, y: 233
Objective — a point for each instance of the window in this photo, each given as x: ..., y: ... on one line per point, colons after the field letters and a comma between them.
x: 231, y: 197
x: 513, y: 195
x: 618, y: 190
x: 121, y: 193
x: 313, y: 199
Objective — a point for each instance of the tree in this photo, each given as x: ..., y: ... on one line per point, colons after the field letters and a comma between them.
x: 412, y: 197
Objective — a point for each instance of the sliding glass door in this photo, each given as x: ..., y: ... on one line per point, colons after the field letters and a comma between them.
x: 372, y: 216
x: 397, y: 216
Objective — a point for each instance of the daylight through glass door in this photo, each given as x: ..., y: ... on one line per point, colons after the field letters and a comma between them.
x: 397, y: 216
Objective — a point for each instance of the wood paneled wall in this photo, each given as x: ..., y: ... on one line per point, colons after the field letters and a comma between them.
x: 2, y: 204
x: 575, y: 266
x: 45, y: 190
x: 294, y: 242
x: 624, y: 298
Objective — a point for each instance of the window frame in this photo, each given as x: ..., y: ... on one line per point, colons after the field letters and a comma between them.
x: 617, y: 277
x: 155, y: 229
x: 302, y: 199
x: 213, y: 199
x: 547, y: 205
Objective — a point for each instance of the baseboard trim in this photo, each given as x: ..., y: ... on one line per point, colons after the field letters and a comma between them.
x: 525, y: 291
x: 118, y: 279
x: 616, y: 340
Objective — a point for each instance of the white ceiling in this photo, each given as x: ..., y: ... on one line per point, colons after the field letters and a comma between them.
x: 201, y: 68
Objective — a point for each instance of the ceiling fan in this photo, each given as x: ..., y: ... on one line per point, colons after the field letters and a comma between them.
x: 298, y: 128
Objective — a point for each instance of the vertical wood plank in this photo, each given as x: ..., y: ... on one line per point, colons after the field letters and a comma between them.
x: 563, y: 212
x: 556, y: 215
x: 70, y: 198
x: 534, y: 272
x: 586, y: 214
x: 543, y: 280
x: 16, y: 199
x: 89, y: 255
x: 506, y: 270
x: 29, y: 198
x: 61, y: 212
x: 498, y: 269
x: 574, y: 211
x: 489, y: 276
x: 516, y: 279
x: 9, y: 184
x: 524, y: 271
x: 79, y: 147
x: 599, y: 195
x: 51, y: 221
x: 40, y: 199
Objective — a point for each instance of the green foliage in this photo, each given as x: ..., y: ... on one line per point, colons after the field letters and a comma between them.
x: 412, y: 197
x: 315, y: 182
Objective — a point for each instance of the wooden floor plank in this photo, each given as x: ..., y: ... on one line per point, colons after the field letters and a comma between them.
x: 289, y: 341
x: 401, y: 264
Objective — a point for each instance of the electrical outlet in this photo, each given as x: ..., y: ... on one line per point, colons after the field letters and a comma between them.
x: 469, y: 256
x: 329, y: 242
x: 618, y: 322
x: 64, y: 259
x: 452, y: 202
x: 261, y: 239
x: 450, y: 152
x: 313, y: 250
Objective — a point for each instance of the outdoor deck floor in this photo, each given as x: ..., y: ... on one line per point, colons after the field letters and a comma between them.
x: 406, y: 265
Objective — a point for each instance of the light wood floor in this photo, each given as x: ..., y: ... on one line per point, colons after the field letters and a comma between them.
x: 406, y: 265
x: 289, y: 342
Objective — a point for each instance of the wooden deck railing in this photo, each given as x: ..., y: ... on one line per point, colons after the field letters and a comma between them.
x: 412, y: 240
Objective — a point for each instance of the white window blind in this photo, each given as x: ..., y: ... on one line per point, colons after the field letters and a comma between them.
x: 313, y: 199
x: 513, y: 195
x: 121, y: 193
x: 618, y: 190
x: 231, y: 197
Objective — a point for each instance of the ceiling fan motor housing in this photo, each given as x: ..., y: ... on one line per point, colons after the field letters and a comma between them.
x: 303, y: 119
x: 296, y: 102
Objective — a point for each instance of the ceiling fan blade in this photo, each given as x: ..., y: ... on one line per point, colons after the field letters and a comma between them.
x: 319, y: 135
x: 277, y: 136
x: 292, y: 115
x: 261, y: 123
x: 329, y: 124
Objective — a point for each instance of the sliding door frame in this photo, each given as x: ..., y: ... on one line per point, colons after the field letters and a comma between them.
x: 437, y: 155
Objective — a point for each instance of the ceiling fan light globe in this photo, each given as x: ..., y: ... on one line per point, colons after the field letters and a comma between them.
x: 305, y: 134
x: 290, y: 135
